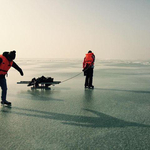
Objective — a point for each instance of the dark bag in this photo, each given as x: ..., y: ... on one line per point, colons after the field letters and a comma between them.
x: 85, y: 70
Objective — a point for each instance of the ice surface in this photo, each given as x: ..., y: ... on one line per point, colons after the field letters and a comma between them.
x: 115, y: 115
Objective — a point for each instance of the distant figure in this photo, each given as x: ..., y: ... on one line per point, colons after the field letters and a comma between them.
x: 88, y: 66
x: 6, y: 61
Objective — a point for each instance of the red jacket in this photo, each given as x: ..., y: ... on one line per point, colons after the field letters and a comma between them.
x: 5, y: 65
x: 89, y: 59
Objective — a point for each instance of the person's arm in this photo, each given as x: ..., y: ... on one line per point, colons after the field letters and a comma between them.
x: 93, y: 58
x: 14, y: 65
x: 84, y: 63
x: 1, y: 60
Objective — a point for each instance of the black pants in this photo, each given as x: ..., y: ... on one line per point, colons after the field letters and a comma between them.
x: 3, y: 85
x: 89, y: 77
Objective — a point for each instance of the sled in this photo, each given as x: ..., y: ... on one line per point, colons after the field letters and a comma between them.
x: 40, y: 83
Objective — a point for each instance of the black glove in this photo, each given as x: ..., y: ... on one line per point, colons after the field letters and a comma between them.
x: 21, y: 72
x: 84, y: 69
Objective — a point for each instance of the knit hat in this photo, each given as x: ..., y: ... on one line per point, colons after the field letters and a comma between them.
x: 12, y: 55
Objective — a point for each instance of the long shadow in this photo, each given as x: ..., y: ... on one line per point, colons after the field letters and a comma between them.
x: 100, y: 121
x: 133, y: 91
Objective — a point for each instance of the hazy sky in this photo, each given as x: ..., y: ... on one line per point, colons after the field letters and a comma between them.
x: 112, y: 29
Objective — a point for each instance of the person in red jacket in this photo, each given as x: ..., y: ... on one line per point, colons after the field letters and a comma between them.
x: 6, y: 62
x: 88, y: 66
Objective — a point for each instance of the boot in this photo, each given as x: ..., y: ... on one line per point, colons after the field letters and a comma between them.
x: 5, y: 102
x: 91, y: 87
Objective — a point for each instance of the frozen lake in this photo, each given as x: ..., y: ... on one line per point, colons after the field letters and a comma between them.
x: 113, y: 116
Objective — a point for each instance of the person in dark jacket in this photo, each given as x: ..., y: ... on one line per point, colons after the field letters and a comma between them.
x: 88, y: 66
x: 6, y: 62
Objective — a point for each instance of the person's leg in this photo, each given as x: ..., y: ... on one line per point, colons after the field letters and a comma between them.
x: 3, y: 85
x: 86, y: 81
x: 90, y: 77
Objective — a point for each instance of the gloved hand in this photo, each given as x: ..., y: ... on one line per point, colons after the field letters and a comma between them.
x: 21, y: 72
x: 83, y: 69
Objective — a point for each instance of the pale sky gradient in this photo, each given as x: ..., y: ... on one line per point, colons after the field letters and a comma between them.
x: 112, y: 29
